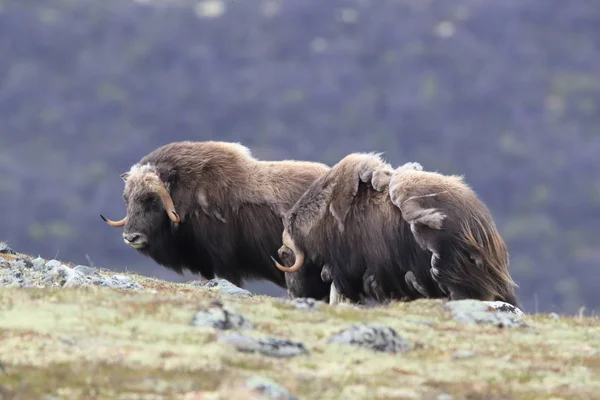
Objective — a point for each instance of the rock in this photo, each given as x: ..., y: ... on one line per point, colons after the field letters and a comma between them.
x: 480, y: 312
x: 119, y: 282
x: 65, y: 277
x: 52, y: 264
x: 4, y: 249
x: 554, y: 315
x: 372, y: 336
x: 463, y: 354
x: 20, y: 263
x: 38, y: 263
x: 305, y: 303
x: 444, y: 396
x: 268, y: 388
x: 85, y: 270
x: 218, y: 317
x: 226, y: 287
x: 505, y: 307
x: 199, y: 282
x: 273, y: 347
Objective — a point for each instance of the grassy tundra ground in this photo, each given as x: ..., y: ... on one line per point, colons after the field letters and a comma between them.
x: 101, y: 343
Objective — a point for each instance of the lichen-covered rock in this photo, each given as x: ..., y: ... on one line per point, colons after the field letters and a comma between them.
x: 52, y: 264
x: 268, y: 388
x: 66, y: 277
x: 480, y: 312
x: 219, y: 317
x: 118, y: 282
x: 85, y: 270
x: 37, y: 272
x: 5, y: 249
x: 226, y: 287
x: 305, y: 303
x: 504, y: 307
x: 272, y: 347
x: 372, y: 336
x: 38, y: 263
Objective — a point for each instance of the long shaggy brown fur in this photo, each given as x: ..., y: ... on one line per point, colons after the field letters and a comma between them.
x: 469, y: 258
x: 359, y: 235
x: 212, y: 208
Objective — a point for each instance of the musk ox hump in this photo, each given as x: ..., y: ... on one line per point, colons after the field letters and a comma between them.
x: 346, y: 175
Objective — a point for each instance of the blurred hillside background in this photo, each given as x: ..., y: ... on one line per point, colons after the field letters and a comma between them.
x: 506, y: 93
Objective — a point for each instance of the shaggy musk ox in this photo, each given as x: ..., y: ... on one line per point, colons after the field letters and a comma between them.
x: 399, y: 234
x: 211, y: 208
x: 358, y: 235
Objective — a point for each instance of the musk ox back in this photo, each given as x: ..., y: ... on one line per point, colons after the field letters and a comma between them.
x: 358, y: 234
x: 213, y: 209
x: 469, y: 258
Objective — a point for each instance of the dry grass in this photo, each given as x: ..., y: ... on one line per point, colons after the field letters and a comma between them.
x: 99, y: 343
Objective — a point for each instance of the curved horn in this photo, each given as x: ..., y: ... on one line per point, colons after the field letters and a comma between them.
x: 168, y: 203
x: 297, y: 264
x: 114, y: 223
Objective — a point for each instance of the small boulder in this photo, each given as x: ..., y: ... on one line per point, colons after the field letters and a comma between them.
x: 372, y: 336
x: 119, y: 282
x: 480, y: 312
x: 504, y: 307
x: 219, y: 317
x: 38, y: 264
x: 85, y: 270
x: 305, y: 303
x: 4, y: 249
x: 268, y: 388
x: 226, y: 287
x: 65, y: 277
x: 272, y: 347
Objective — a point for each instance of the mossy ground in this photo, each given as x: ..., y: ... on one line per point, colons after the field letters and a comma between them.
x: 100, y: 343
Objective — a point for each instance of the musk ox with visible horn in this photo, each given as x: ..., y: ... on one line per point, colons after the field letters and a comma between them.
x: 397, y: 234
x: 358, y: 235
x: 212, y: 208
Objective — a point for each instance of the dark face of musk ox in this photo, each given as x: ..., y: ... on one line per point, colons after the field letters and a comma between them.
x: 151, y: 221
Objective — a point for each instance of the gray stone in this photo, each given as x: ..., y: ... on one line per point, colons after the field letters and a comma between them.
x: 226, y: 287
x: 272, y: 347
x: 305, y: 303
x: 4, y: 249
x: 198, y: 282
x: 505, y: 307
x: 480, y: 312
x: 119, y: 282
x: 372, y: 336
x: 269, y: 388
x: 38, y: 264
x: 85, y: 270
x: 65, y: 277
x: 554, y: 315
x: 219, y: 317
x: 463, y: 354
x: 53, y: 264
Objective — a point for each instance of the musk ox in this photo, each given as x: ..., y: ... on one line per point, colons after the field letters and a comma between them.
x: 401, y: 234
x: 469, y: 258
x: 212, y: 208
x: 358, y: 235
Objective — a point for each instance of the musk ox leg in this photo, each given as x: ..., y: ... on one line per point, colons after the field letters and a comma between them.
x: 411, y: 280
x: 436, y: 274
x: 370, y: 286
x: 326, y: 274
x: 334, y: 296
